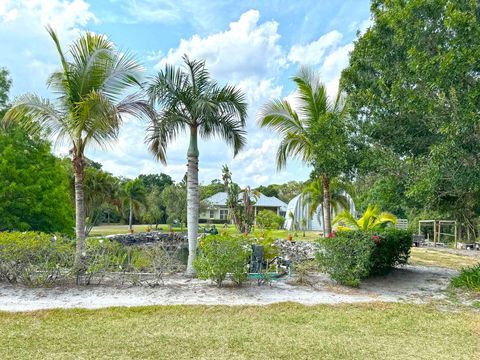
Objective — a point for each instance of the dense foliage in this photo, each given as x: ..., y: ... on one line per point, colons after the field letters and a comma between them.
x: 34, y: 259
x: 350, y: 256
x: 267, y: 219
x: 220, y: 256
x: 34, y: 187
x: 414, y: 89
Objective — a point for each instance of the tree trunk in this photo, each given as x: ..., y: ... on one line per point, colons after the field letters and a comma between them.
x: 79, y: 173
x: 130, y: 216
x: 326, y: 206
x: 193, y: 202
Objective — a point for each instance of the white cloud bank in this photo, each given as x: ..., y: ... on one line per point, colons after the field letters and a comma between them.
x: 248, y: 53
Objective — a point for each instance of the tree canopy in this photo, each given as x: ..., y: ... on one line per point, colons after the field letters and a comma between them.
x: 34, y: 186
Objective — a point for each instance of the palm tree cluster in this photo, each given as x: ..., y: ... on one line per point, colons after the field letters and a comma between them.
x: 97, y: 86
x: 91, y: 103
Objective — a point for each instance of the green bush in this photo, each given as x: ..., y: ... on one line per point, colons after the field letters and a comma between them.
x: 393, y: 248
x: 350, y: 256
x: 267, y: 219
x: 220, y: 256
x: 469, y: 278
x: 34, y: 259
x: 346, y: 256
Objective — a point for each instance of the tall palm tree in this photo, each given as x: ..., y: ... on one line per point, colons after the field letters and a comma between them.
x: 340, y: 194
x: 135, y: 197
x: 189, y: 100
x: 89, y: 107
x: 372, y: 219
x: 303, y: 131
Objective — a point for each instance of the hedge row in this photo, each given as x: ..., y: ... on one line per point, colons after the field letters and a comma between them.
x: 38, y: 259
x: 350, y: 256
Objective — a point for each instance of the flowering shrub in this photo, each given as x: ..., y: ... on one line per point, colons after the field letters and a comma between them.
x: 350, y: 256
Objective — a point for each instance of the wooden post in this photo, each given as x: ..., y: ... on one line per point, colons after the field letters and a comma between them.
x: 455, y: 234
x: 419, y: 226
x: 434, y: 233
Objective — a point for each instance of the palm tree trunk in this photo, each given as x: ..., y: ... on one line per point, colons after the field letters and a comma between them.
x: 130, y: 216
x: 79, y: 174
x: 193, y: 201
x: 326, y: 206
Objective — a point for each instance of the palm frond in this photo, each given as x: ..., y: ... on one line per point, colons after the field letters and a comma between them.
x: 36, y: 115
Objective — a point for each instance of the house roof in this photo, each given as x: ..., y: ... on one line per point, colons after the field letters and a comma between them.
x: 220, y: 199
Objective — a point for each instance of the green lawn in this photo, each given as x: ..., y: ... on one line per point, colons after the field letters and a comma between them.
x: 431, y: 257
x: 103, y: 230
x: 281, y: 331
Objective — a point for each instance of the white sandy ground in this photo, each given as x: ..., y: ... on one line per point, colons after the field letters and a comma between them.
x: 410, y: 284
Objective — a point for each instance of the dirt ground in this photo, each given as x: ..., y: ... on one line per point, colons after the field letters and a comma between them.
x: 413, y: 284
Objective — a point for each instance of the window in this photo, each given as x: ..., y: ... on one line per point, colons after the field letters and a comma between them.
x: 223, y: 214
x: 212, y: 214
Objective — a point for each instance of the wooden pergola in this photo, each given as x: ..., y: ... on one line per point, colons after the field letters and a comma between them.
x: 437, y: 229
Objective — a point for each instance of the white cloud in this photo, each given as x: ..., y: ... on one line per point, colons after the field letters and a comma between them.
x: 247, y: 49
x: 327, y: 55
x: 313, y: 52
x: 27, y: 51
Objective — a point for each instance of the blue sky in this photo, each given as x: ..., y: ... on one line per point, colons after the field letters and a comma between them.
x: 256, y: 45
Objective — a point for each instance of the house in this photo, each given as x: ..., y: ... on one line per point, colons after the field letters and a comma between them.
x: 217, y: 211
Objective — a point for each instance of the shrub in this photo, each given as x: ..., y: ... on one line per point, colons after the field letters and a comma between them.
x: 267, y: 219
x: 393, y: 248
x: 350, y: 256
x: 346, y: 256
x: 103, y: 256
x: 469, y: 278
x: 220, y: 256
x: 34, y: 259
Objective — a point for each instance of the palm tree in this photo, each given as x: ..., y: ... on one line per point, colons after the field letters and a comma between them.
x: 311, y: 135
x: 372, y: 219
x: 89, y: 108
x: 189, y: 100
x: 135, y: 197
x: 340, y: 194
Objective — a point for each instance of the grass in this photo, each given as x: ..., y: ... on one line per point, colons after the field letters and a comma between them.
x: 469, y: 278
x: 431, y: 257
x: 104, y: 230
x: 281, y: 331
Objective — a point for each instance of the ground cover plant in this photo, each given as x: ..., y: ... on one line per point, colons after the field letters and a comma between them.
x: 469, y: 278
x: 280, y: 331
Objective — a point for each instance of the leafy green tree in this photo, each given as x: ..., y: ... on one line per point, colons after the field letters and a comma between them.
x: 5, y: 84
x: 135, y: 197
x: 34, y: 186
x: 156, y: 210
x: 269, y: 190
x: 267, y: 219
x: 414, y: 89
x: 89, y: 108
x: 289, y: 190
x: 174, y: 197
x: 155, y: 181
x: 316, y: 134
x: 190, y: 100
x: 211, y: 189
